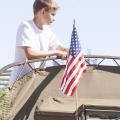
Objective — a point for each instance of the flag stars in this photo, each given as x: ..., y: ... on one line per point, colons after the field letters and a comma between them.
x: 75, y: 45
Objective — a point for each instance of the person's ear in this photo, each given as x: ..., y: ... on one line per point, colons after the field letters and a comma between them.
x: 42, y: 10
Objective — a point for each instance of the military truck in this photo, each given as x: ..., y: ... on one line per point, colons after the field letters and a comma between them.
x: 36, y: 96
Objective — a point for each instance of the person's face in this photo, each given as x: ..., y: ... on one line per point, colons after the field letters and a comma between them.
x: 49, y: 16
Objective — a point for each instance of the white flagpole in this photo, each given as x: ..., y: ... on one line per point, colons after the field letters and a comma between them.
x: 76, y: 94
x: 76, y: 103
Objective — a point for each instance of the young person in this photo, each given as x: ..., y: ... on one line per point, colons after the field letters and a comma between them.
x: 35, y: 39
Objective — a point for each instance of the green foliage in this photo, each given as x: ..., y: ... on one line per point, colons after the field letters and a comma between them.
x: 2, y: 91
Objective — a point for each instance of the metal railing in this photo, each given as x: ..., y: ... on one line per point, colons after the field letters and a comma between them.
x: 91, y: 60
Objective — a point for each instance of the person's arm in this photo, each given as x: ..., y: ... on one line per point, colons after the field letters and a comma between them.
x: 34, y: 54
x: 56, y: 44
x: 62, y: 48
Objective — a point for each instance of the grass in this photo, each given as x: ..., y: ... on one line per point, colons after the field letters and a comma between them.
x: 1, y: 101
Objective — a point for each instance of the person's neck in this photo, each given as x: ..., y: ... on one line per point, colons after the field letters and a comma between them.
x: 38, y: 23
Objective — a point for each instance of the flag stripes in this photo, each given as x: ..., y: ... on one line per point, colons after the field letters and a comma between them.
x: 72, y: 74
x: 75, y: 66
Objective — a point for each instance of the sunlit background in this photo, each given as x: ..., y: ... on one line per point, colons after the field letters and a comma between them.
x: 97, y: 22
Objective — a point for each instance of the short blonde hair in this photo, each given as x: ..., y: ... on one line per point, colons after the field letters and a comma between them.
x: 47, y: 4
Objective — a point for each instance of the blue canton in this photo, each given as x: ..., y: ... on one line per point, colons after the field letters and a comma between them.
x: 75, y: 47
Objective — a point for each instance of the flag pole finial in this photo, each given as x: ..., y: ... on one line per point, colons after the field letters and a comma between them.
x: 74, y: 22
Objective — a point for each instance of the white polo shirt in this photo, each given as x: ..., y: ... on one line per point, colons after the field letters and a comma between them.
x: 30, y: 35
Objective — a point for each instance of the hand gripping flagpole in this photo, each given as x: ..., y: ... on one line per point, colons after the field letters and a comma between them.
x: 76, y: 94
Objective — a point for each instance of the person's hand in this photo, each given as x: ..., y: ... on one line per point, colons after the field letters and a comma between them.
x: 62, y: 54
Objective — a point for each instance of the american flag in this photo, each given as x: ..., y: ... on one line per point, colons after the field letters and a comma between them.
x: 75, y: 66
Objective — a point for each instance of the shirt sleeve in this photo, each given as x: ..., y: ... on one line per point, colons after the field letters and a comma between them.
x: 54, y: 42
x: 24, y: 36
